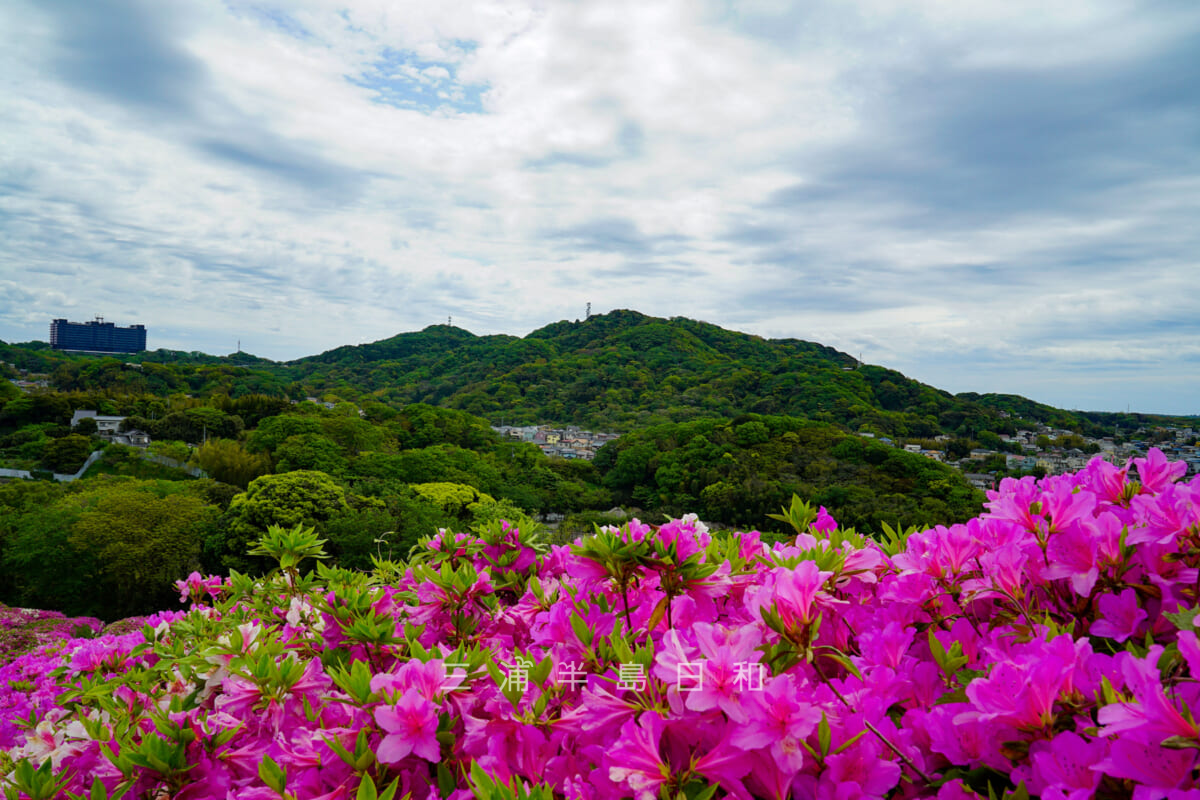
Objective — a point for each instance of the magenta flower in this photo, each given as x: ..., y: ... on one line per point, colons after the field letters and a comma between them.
x: 1140, y: 758
x: 779, y: 720
x: 1021, y: 695
x: 1166, y: 515
x: 795, y: 593
x: 1065, y: 763
x: 1156, y: 472
x: 730, y: 668
x: 1006, y: 568
x: 197, y: 586
x: 824, y: 523
x: 1072, y: 554
x: 411, y: 727
x: 1151, y: 713
x: 1064, y: 506
x: 1105, y: 480
x: 858, y: 772
x: 428, y: 678
x: 1120, y: 616
x: 635, y: 760
x: 727, y: 765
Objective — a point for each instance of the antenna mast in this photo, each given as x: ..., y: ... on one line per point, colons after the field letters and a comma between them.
x: 588, y: 315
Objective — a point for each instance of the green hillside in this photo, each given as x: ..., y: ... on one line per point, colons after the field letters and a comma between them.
x: 625, y: 370
x: 739, y: 471
x: 619, y: 371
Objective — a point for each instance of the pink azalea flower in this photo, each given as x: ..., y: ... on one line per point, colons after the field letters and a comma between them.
x: 429, y: 678
x: 1014, y: 502
x: 1166, y: 515
x: 727, y: 765
x: 1021, y: 695
x: 824, y: 523
x: 635, y: 760
x: 1065, y: 763
x: 730, y: 668
x: 796, y: 593
x: 1064, y: 506
x: 1140, y: 758
x: 887, y: 647
x: 1120, y: 616
x: 1151, y: 713
x: 411, y: 727
x: 1072, y: 554
x: 1005, y: 566
x: 1105, y: 480
x: 1189, y: 648
x: 1156, y: 472
x: 955, y: 790
x: 857, y: 772
x: 779, y: 720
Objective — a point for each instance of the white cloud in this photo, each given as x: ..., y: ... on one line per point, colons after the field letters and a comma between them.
x: 919, y: 181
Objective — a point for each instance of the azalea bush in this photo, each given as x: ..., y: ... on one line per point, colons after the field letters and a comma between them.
x: 1046, y: 648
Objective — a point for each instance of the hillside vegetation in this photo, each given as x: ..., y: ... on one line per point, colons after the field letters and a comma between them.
x: 618, y: 371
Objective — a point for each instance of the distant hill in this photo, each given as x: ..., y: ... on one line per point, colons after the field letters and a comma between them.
x: 618, y: 371
x: 625, y: 370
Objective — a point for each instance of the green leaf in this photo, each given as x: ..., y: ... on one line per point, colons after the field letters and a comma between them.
x: 1181, y: 743
x: 390, y: 792
x: 1183, y: 620
x: 366, y: 790
x: 824, y: 735
x: 273, y: 775
x: 445, y: 780
x: 657, y: 614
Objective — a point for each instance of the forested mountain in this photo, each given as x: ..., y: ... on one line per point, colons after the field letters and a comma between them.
x: 618, y: 371
x: 625, y: 370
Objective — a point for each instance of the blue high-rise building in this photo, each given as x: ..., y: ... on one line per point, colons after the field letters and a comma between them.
x: 97, y: 336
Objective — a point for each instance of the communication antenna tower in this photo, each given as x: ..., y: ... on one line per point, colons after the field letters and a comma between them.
x: 588, y: 315
x: 449, y: 322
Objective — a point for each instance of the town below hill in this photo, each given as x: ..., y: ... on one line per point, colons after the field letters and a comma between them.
x: 570, y: 442
x: 1044, y: 450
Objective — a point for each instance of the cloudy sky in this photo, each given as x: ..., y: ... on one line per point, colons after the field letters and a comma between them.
x: 986, y: 196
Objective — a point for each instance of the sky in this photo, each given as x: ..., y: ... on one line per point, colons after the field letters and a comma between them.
x: 986, y: 196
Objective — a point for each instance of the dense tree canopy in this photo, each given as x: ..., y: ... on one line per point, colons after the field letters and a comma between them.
x: 108, y: 547
x: 739, y: 471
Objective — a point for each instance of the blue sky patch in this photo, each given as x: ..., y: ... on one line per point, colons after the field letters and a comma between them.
x: 402, y: 79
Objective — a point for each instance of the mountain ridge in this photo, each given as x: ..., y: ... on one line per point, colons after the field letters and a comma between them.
x: 618, y: 371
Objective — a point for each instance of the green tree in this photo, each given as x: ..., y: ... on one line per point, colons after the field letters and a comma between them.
x: 303, y: 497
x: 310, y: 451
x: 140, y: 544
x: 174, y: 450
x: 454, y: 498
x: 352, y: 434
x: 41, y: 569
x: 227, y: 461
x: 357, y: 534
x: 273, y: 431
x: 67, y: 454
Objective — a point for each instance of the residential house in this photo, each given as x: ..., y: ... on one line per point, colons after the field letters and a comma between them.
x: 105, y: 425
